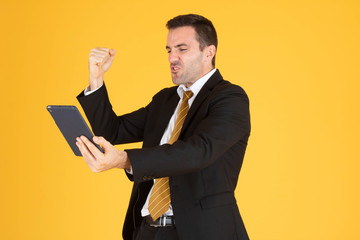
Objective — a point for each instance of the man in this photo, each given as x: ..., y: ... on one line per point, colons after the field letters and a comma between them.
x: 194, y: 139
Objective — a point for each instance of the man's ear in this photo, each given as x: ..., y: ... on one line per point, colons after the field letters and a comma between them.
x: 210, y: 52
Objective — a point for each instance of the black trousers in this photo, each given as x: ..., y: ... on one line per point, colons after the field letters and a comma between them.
x: 146, y: 232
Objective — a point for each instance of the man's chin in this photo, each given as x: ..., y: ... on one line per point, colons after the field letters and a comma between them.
x: 176, y: 80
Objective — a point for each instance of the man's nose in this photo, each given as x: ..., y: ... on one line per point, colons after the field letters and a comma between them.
x: 173, y: 57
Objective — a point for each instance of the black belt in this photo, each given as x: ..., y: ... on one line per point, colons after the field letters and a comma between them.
x: 163, y: 221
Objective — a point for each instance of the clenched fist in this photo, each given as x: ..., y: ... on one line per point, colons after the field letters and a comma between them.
x: 100, y: 60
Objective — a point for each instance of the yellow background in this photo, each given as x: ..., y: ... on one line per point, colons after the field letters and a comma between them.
x: 297, y: 60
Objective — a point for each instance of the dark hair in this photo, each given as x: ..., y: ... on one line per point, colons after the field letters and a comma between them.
x: 206, y: 34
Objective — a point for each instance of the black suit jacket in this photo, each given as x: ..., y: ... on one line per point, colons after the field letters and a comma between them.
x: 203, y: 165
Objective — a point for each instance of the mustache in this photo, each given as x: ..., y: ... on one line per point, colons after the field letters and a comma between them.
x: 175, y: 64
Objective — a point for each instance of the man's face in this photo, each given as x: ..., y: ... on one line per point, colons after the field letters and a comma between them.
x: 187, y: 62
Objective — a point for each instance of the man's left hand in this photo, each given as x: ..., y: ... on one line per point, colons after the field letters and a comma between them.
x: 98, y: 161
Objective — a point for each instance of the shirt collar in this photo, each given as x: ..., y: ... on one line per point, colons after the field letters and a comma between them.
x: 196, y: 86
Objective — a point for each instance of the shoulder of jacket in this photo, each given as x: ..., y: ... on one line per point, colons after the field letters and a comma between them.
x: 165, y: 94
x: 225, y: 87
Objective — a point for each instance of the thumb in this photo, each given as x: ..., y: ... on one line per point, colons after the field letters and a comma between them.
x: 112, y: 52
x: 101, y: 141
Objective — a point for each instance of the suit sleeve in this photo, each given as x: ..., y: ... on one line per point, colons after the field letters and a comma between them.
x: 104, y: 122
x: 225, y: 125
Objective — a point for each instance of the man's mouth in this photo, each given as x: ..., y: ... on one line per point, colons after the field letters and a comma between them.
x: 174, y: 69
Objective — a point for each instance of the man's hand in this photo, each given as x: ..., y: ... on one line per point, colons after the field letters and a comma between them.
x: 98, y: 161
x: 100, y: 60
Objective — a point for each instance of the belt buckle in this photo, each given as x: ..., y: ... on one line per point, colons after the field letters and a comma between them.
x: 161, y: 222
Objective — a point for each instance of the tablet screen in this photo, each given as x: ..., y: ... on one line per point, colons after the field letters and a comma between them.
x: 71, y: 124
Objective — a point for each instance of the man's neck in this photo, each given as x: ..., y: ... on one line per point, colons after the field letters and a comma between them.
x: 187, y: 85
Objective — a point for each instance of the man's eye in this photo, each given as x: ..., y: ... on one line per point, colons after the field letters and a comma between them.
x: 183, y: 49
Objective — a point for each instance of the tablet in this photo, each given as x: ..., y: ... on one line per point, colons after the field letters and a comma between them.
x: 71, y: 124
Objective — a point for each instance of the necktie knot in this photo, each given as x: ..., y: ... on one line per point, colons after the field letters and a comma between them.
x: 187, y: 95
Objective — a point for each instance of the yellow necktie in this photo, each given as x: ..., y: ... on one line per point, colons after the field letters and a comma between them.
x: 160, y: 196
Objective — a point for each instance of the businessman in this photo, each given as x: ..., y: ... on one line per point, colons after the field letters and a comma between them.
x: 194, y: 139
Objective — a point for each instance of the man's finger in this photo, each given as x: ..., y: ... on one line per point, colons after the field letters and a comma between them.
x: 89, y: 158
x: 112, y: 52
x: 97, y: 60
x: 92, y: 148
x: 103, y: 142
x: 100, y: 49
x: 100, y: 140
x: 100, y: 55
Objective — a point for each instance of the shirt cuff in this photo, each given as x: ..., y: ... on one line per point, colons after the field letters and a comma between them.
x: 129, y: 171
x: 87, y: 90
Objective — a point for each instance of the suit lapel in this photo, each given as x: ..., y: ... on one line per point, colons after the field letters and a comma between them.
x: 202, y: 95
x: 169, y: 104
